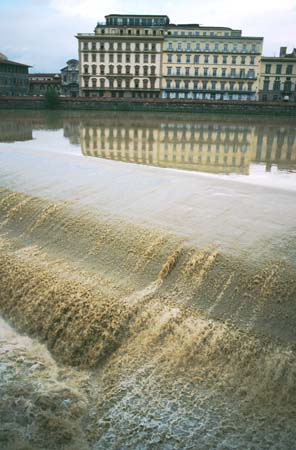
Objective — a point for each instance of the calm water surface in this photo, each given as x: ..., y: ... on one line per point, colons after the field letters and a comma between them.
x: 257, y: 150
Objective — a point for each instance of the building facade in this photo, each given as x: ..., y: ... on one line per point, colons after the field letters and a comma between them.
x: 278, y: 77
x: 40, y: 83
x: 146, y: 56
x: 210, y: 63
x: 14, y: 77
x: 123, y: 57
x: 70, y: 79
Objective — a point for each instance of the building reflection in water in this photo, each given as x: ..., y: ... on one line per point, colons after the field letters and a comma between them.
x: 15, y: 130
x: 203, y: 146
x: 199, y: 143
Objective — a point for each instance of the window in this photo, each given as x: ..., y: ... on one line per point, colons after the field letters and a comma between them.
x: 277, y: 84
x: 119, y: 46
x: 243, y: 60
x: 206, y: 71
x: 178, y: 71
x: 137, y: 84
x: 278, y: 69
x: 242, y: 73
x: 196, y: 71
x: 119, y: 83
x: 102, y: 57
x: 289, y: 69
x: 179, y: 59
x: 179, y: 46
x: 169, y: 71
x: 187, y: 71
x: 223, y: 72
x: 224, y: 60
x: 127, y: 70
x: 93, y: 46
x: 145, y: 84
x: 146, y: 59
x: 111, y: 58
x: 233, y: 59
x: 170, y: 58
x: 207, y: 48
x: 214, y: 85
x: 170, y: 46
x: 137, y: 46
x: 251, y: 73
x: 188, y: 59
x: 102, y: 46
x: 94, y: 82
x: 195, y: 84
x: 94, y: 69
x: 214, y: 72
x: 145, y: 69
x: 85, y: 46
x: 102, y: 69
x: 265, y: 85
x: 127, y: 84
x: 240, y: 86
x: 196, y: 59
x: 206, y: 59
x: 85, y: 57
x: 153, y: 70
x: 137, y: 58
x: 85, y: 69
x: 233, y: 73
x: 250, y: 85
x: 93, y: 57
x: 128, y: 58
x: 215, y: 59
x: 111, y: 46
x: 252, y: 60
x: 168, y: 84
x: 188, y: 47
x: 153, y: 59
x: 119, y: 69
x: 128, y: 46
x: 111, y: 69
x: 102, y: 82
x: 267, y: 68
x: 225, y: 49
x: 177, y: 84
x: 119, y: 58
x: 137, y: 70
x: 146, y: 47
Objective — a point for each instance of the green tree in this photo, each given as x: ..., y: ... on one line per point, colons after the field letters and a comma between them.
x: 51, y: 98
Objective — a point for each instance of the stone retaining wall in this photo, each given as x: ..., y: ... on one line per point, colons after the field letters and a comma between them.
x: 198, y: 106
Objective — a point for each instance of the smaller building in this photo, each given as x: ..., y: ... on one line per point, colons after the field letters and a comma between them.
x: 278, y: 77
x: 40, y: 83
x: 14, y: 77
x: 70, y: 79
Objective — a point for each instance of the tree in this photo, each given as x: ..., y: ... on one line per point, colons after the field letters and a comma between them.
x: 51, y: 98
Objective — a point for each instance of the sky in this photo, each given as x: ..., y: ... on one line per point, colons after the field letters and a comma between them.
x: 41, y: 33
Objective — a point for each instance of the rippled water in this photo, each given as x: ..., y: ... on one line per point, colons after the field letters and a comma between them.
x: 165, y: 297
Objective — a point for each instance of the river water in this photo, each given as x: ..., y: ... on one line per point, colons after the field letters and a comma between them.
x: 151, y: 259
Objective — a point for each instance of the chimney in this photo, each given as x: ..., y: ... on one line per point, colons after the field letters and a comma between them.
x: 283, y: 52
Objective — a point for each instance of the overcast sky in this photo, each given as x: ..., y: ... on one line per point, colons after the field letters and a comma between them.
x: 41, y: 33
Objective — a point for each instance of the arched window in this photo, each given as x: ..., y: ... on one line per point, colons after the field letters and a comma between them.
x: 137, y: 70
x: 145, y: 70
x: 102, y: 70
x: 145, y: 84
x: 119, y: 69
x: 94, y: 82
x: 111, y: 69
x: 102, y: 82
x: 119, y: 83
x: 85, y: 69
x: 94, y: 69
x: 136, y: 84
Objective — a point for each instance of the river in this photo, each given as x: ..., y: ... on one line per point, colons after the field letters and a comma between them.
x: 147, y: 271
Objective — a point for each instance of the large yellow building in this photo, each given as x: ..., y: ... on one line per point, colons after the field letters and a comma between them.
x: 278, y: 77
x: 146, y: 56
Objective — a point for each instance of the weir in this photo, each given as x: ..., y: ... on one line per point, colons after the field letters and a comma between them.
x: 170, y: 320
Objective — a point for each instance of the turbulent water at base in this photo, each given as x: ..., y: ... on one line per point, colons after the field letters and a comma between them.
x: 157, y: 344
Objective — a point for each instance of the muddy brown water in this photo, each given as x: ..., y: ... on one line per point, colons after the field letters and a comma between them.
x: 160, y: 303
